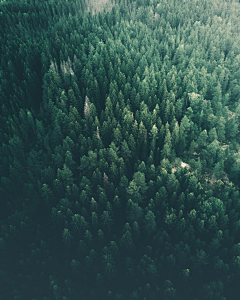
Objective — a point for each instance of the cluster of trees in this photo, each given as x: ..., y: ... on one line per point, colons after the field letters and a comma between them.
x: 120, y: 161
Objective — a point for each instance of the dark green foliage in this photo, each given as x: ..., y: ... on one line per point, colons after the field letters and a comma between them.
x: 119, y: 146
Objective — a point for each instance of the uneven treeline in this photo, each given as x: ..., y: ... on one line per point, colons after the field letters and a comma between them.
x: 120, y: 160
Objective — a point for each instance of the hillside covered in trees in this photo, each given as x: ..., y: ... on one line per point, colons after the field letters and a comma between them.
x: 119, y: 147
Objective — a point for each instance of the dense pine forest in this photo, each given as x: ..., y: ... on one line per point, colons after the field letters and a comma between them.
x: 119, y: 147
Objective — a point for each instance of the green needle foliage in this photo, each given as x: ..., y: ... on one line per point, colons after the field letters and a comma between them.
x: 119, y: 149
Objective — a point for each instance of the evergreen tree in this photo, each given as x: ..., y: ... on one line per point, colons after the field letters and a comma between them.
x: 113, y: 113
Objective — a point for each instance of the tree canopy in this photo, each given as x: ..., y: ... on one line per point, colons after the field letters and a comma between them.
x: 119, y: 146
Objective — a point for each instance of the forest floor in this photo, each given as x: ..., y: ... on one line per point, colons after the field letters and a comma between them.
x: 182, y: 165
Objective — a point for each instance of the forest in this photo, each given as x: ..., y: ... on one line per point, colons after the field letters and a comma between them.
x: 119, y: 150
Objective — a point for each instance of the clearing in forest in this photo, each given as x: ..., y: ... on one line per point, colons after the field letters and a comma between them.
x: 99, y: 5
